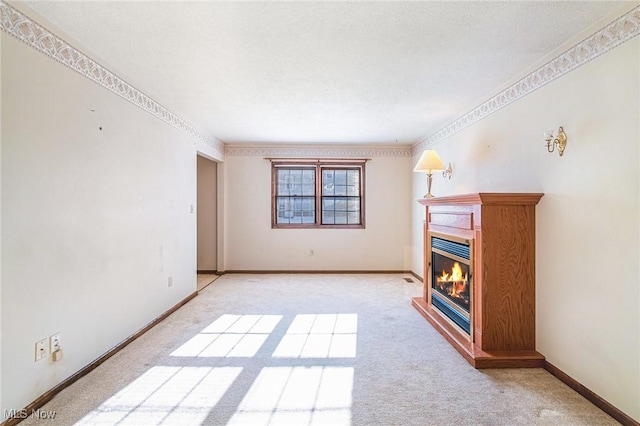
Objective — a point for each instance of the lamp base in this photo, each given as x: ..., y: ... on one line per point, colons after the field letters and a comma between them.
x: 429, y: 179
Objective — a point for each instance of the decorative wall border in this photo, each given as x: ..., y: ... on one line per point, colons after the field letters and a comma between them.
x: 317, y: 151
x: 619, y: 31
x: 35, y: 35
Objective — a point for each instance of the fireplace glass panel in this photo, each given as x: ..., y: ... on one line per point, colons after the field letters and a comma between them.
x: 451, y: 280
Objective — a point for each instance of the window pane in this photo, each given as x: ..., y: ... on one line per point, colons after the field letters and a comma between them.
x: 328, y: 204
x: 283, y: 216
x: 328, y: 189
x: 327, y: 182
x: 353, y: 182
x: 353, y: 218
x: 296, y: 189
x: 295, y: 210
x: 308, y: 189
x: 327, y: 176
x: 285, y: 185
x: 309, y: 176
x: 307, y: 204
x: 328, y: 217
x: 339, y: 210
x: 308, y: 217
x: 341, y: 190
x: 341, y: 218
x: 295, y: 182
x: 296, y: 176
x: 353, y: 177
x: 283, y: 179
x: 341, y: 177
x: 354, y: 204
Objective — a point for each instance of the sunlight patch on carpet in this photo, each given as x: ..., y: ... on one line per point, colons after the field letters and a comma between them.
x: 166, y: 396
x: 320, y: 336
x: 298, y: 395
x: 231, y: 336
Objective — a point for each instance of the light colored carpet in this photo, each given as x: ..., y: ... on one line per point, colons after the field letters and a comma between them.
x: 204, y: 280
x: 307, y: 349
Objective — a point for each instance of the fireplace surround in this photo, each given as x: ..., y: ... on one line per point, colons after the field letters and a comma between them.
x: 479, y: 276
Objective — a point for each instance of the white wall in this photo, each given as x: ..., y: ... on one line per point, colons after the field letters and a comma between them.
x: 251, y: 244
x: 1, y: 404
x: 588, y: 235
x: 207, y: 214
x: 93, y: 221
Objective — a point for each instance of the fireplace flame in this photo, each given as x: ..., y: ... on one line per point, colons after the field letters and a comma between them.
x: 457, y: 280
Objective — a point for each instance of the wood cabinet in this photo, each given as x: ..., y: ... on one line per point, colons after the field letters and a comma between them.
x: 501, y: 228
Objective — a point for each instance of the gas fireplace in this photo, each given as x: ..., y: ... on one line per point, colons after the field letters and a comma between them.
x: 479, y: 276
x: 451, y: 279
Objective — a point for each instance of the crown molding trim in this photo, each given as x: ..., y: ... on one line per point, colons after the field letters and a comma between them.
x: 25, y: 29
x: 614, y: 34
x: 38, y: 37
x: 316, y: 151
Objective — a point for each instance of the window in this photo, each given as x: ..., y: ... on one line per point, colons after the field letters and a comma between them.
x: 318, y: 194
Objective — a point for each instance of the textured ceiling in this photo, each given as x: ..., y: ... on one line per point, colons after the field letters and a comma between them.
x: 322, y: 72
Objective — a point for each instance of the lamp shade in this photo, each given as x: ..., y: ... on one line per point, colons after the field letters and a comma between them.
x: 429, y: 161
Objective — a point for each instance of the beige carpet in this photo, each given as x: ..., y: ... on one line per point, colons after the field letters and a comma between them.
x: 204, y: 280
x: 307, y: 349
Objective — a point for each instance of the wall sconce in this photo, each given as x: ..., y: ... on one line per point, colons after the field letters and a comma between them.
x: 429, y: 162
x: 560, y: 141
x: 447, y: 172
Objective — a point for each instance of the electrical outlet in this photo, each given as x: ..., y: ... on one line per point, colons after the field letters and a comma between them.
x: 170, y: 281
x: 42, y: 349
x: 54, y: 343
x: 312, y: 252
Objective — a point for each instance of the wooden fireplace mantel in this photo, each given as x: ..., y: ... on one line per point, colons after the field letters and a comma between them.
x: 501, y: 229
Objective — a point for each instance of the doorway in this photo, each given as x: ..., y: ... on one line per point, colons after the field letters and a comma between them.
x: 206, y: 222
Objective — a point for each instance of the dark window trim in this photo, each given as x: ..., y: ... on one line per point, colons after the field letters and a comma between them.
x: 317, y: 165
